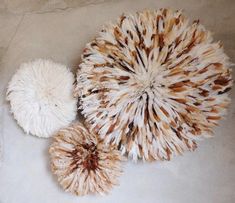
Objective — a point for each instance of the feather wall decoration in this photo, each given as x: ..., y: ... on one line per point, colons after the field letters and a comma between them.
x: 82, y: 162
x: 41, y: 97
x: 153, y: 83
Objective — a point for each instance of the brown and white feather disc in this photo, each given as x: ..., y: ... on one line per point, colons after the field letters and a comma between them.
x: 83, y: 163
x: 153, y: 83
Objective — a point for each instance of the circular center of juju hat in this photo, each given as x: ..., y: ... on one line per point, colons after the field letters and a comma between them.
x: 153, y: 83
x: 83, y: 163
x: 40, y: 95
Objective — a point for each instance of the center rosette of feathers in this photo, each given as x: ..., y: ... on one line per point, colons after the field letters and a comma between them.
x: 90, y: 161
x: 153, y: 84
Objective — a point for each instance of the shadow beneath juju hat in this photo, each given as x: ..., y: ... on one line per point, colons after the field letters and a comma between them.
x: 48, y: 165
x: 74, y: 68
x: 47, y: 155
x: 79, y: 116
x: 75, y: 63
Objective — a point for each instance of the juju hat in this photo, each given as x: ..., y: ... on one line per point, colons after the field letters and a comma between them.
x: 40, y: 95
x: 82, y: 162
x: 153, y: 83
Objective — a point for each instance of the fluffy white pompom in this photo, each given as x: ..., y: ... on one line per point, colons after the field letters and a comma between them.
x: 40, y: 95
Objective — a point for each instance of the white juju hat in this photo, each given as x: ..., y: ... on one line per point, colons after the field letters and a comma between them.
x: 153, y: 83
x: 40, y: 95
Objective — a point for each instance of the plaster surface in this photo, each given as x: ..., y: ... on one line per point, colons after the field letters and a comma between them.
x: 59, y: 29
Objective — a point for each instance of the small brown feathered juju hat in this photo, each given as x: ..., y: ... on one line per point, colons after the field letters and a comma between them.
x: 82, y: 162
x: 153, y: 83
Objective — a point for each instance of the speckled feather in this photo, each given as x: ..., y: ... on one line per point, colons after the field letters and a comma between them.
x: 153, y: 84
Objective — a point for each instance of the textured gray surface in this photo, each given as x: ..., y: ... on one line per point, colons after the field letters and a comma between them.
x: 58, y: 30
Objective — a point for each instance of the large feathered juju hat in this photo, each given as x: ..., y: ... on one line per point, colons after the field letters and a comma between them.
x: 82, y: 161
x: 153, y: 83
x: 41, y: 99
